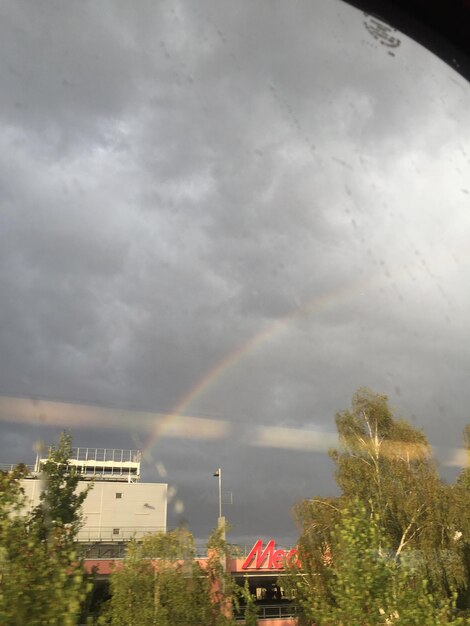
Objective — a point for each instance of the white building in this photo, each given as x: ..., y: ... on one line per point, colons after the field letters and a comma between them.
x: 119, y: 506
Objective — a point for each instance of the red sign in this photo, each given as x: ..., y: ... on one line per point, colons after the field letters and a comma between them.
x: 269, y: 558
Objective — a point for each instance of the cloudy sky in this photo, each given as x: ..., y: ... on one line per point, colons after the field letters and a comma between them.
x: 217, y: 221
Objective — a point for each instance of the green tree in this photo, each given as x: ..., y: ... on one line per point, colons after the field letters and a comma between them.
x: 366, y: 584
x: 250, y: 613
x: 224, y: 594
x: 383, y: 459
x: 463, y: 479
x: 161, y: 583
x: 386, y: 465
x: 42, y: 579
x: 60, y: 501
x: 459, y: 523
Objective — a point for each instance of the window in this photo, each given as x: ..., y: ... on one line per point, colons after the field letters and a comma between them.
x: 115, y: 531
x: 118, y: 495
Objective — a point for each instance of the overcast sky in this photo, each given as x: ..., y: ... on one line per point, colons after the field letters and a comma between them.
x: 238, y: 212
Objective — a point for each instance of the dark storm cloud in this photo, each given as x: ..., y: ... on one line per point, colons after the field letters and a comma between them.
x: 180, y: 183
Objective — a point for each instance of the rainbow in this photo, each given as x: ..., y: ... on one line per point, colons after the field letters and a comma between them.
x: 178, y: 422
x: 231, y: 360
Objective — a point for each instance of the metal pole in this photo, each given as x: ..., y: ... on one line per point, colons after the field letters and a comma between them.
x: 220, y: 492
x: 221, y: 520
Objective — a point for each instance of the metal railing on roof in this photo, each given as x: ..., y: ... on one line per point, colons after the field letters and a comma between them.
x: 115, y: 455
x: 103, y: 463
x: 9, y: 467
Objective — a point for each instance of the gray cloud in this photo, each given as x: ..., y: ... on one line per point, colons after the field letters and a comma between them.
x: 245, y: 211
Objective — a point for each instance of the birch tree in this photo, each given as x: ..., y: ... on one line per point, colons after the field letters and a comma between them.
x: 386, y: 465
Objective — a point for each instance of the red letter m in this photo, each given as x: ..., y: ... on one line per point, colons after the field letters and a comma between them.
x: 257, y: 551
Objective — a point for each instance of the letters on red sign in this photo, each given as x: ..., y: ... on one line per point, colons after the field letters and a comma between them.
x: 276, y: 559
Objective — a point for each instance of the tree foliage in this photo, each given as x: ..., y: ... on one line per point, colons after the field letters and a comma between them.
x: 42, y: 580
x: 250, y: 613
x: 362, y: 583
x: 161, y: 583
x: 60, y: 502
x: 407, y: 514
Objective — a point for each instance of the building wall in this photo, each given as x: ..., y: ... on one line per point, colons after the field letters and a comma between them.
x: 108, y: 516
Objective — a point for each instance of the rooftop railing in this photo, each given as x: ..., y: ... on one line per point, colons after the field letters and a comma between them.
x: 114, y: 455
x: 102, y: 463
x: 9, y: 467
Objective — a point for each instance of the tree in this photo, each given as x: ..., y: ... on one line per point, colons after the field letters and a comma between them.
x: 381, y: 460
x: 386, y: 465
x: 223, y: 592
x: 250, y: 613
x: 463, y: 480
x: 42, y: 579
x: 60, y: 503
x: 365, y: 584
x: 459, y: 521
x: 161, y: 583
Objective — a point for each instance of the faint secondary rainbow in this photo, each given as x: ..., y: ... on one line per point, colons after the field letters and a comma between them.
x: 221, y: 368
